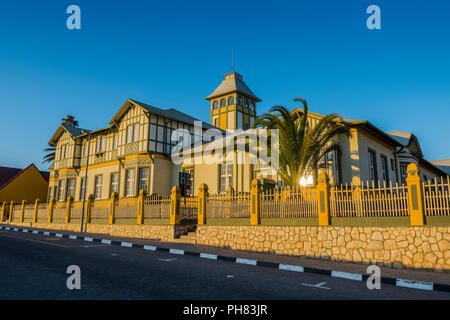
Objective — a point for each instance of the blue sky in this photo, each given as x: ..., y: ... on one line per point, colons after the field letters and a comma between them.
x: 175, y: 53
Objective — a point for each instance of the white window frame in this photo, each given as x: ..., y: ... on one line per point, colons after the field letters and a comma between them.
x: 129, y: 133
x: 114, y: 185
x: 98, y: 182
x: 143, y: 181
x: 61, y: 190
x: 136, y: 132
x: 70, y: 190
x: 115, y: 141
x: 226, y: 173
x: 130, y: 183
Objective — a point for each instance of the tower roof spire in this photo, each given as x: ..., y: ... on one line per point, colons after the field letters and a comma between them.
x: 233, y: 83
x: 232, y: 59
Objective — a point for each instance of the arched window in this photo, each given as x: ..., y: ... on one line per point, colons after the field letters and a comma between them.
x: 215, y: 104
x: 239, y: 101
x: 253, y: 106
x: 231, y: 101
x: 223, y: 103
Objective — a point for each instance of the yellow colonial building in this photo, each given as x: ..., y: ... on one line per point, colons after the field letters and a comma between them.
x: 134, y: 151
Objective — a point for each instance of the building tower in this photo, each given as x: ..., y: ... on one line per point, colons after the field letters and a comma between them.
x: 233, y: 104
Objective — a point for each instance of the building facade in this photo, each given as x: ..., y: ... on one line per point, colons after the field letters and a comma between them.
x: 134, y: 151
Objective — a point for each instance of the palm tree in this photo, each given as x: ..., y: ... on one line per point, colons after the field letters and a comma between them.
x: 51, y: 151
x: 301, y: 146
x: 50, y: 156
x: 70, y: 120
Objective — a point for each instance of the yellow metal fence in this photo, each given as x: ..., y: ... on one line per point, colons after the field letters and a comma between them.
x: 367, y: 200
x: 416, y: 200
x: 436, y: 196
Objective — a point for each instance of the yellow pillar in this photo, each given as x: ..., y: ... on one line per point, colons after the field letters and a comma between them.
x: 230, y: 194
x: 68, y: 208
x: 202, y: 198
x: 36, y: 207
x: 89, y: 208
x: 255, y: 208
x: 112, y: 208
x: 415, y: 196
x: 51, y: 206
x: 140, y: 207
x: 3, y: 211
x: 22, y: 210
x: 11, y: 210
x: 323, y: 198
x: 175, y: 206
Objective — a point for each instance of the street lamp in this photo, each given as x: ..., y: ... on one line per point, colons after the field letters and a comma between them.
x: 85, y: 179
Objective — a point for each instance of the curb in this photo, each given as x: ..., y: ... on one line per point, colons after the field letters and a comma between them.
x: 413, y: 284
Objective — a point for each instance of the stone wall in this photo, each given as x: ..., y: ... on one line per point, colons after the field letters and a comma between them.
x: 398, y: 247
x: 161, y: 232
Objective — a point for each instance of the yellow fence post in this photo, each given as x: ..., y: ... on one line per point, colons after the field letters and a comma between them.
x: 112, y: 208
x: 11, y: 210
x: 202, y: 198
x: 175, y: 206
x: 89, y: 208
x: 255, y: 208
x: 51, y: 206
x: 229, y: 197
x: 415, y: 196
x: 323, y: 192
x: 68, y: 208
x: 36, y: 208
x: 22, y: 210
x: 3, y: 211
x: 140, y: 207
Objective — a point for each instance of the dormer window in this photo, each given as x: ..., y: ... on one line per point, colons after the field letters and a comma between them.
x: 115, y: 141
x: 101, y: 144
x: 62, y: 153
x: 133, y: 133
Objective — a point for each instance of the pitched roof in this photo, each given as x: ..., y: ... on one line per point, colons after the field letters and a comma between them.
x: 402, y: 137
x: 365, y: 124
x: 8, y: 174
x: 443, y: 164
x: 170, y: 113
x: 409, y: 140
x: 73, y: 131
x: 233, y: 83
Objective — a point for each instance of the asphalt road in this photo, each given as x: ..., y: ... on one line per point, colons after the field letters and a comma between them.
x: 34, y: 267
